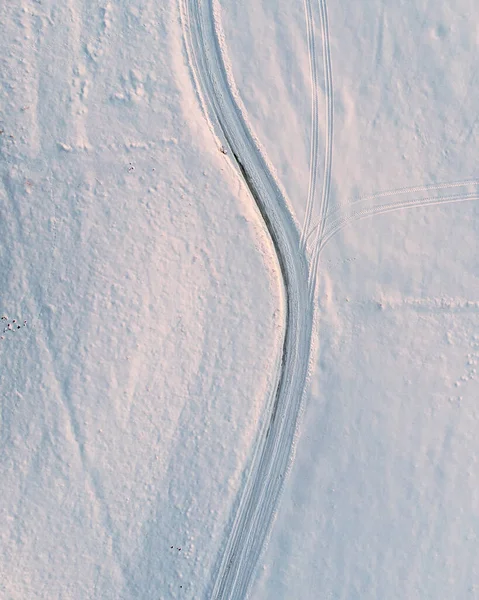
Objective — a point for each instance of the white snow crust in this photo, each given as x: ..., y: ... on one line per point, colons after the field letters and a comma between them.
x: 132, y: 398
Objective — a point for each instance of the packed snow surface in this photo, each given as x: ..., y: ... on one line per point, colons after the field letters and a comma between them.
x: 202, y: 203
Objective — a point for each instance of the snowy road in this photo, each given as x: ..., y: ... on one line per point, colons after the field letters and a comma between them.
x: 172, y: 175
x: 262, y: 488
x: 216, y: 89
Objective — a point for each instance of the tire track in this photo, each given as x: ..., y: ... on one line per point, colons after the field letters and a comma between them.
x: 399, y: 192
x: 313, y: 158
x: 336, y: 226
x: 271, y: 454
x: 261, y: 491
x: 418, y: 188
x: 328, y: 157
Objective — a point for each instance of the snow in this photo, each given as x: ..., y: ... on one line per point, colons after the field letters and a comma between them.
x: 133, y: 399
x: 382, y: 500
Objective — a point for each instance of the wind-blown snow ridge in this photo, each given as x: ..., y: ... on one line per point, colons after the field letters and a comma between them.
x: 263, y: 485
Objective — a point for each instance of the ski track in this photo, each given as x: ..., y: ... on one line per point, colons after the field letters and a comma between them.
x: 328, y: 157
x: 313, y: 164
x: 271, y: 454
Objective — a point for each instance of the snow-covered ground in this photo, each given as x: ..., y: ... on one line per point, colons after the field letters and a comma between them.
x: 133, y: 398
x: 383, y: 497
x: 382, y: 501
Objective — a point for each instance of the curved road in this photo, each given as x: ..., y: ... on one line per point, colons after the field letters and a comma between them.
x: 259, y: 496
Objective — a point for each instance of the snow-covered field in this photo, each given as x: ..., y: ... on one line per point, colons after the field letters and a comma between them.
x: 149, y: 402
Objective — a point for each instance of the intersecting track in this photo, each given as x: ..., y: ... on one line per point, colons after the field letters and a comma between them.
x: 259, y: 496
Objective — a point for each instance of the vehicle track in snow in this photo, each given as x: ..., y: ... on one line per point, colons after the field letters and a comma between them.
x: 260, y: 493
x: 328, y: 154
x: 315, y: 92
x: 351, y: 205
x: 352, y: 212
x: 336, y: 226
x: 271, y: 456
x: 447, y: 185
